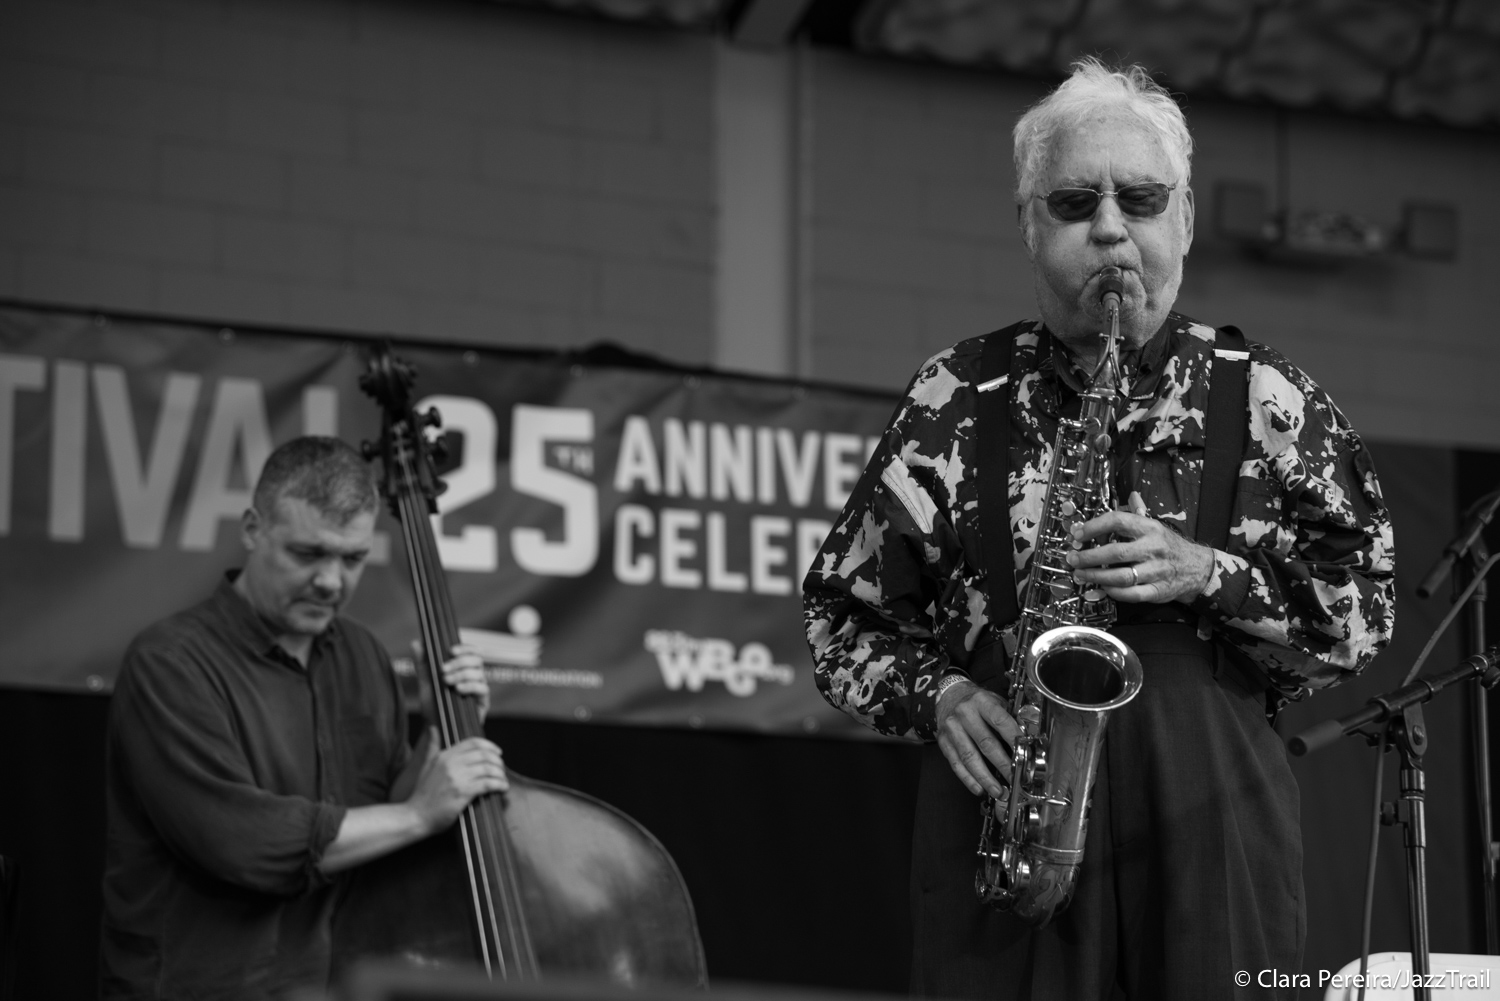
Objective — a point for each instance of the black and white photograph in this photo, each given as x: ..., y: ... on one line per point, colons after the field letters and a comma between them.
x: 790, y: 500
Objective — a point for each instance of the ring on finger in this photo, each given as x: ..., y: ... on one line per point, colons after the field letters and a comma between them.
x: 1135, y: 578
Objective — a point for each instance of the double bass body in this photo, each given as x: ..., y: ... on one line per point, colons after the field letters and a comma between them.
x: 601, y: 897
x: 539, y: 880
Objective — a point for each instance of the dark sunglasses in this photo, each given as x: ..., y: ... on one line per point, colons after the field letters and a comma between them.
x: 1143, y: 200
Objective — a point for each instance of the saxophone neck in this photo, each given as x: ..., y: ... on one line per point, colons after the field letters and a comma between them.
x: 1106, y: 376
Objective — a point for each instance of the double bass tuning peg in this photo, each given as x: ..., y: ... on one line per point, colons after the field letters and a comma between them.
x: 432, y: 419
x: 446, y: 452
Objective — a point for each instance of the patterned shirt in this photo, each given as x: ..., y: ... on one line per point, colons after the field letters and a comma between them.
x: 897, y: 595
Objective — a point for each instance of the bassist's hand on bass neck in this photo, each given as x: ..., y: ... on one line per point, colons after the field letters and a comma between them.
x: 464, y: 673
x: 452, y: 777
x: 448, y: 782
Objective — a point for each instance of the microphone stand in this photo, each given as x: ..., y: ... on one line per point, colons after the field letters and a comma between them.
x: 1401, y: 713
x: 1480, y: 721
x: 1469, y: 548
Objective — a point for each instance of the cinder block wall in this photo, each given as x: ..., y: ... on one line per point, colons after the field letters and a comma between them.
x: 471, y: 171
x: 913, y: 236
x: 446, y: 169
x: 914, y: 244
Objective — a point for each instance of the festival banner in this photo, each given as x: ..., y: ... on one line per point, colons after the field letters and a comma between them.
x: 625, y: 542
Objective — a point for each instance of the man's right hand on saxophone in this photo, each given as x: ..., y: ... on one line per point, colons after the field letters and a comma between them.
x: 1142, y: 560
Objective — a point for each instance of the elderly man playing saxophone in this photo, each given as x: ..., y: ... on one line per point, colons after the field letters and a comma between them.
x: 1192, y: 868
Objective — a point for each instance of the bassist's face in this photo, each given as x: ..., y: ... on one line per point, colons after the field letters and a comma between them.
x: 303, y: 565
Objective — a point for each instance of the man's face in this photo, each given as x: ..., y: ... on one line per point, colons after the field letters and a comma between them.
x: 302, y: 565
x: 1107, y: 152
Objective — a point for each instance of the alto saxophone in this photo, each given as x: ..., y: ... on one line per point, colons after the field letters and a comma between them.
x: 1067, y: 675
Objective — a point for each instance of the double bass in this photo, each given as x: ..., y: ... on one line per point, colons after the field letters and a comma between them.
x: 539, y: 880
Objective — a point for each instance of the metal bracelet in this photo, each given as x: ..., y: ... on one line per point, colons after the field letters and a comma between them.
x: 948, y: 681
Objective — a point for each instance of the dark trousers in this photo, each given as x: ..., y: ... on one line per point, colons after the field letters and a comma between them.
x: 1192, y: 870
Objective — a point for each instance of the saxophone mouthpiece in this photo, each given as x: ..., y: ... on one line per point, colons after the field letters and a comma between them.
x: 1111, y: 287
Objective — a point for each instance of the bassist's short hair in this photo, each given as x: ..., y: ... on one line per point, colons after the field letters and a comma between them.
x: 325, y: 472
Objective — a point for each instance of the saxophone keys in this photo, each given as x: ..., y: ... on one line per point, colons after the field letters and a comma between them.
x: 1034, y: 823
x: 1093, y: 594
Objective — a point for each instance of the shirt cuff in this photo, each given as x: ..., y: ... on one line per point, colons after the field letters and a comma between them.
x: 327, y: 820
x: 924, y: 704
x: 1228, y: 588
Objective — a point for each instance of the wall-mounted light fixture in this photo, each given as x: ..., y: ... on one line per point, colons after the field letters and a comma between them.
x: 1242, y: 213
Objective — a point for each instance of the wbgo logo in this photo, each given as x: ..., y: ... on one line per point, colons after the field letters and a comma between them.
x: 686, y: 660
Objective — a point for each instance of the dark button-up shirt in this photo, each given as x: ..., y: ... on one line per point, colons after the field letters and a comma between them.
x: 1304, y: 590
x: 230, y: 769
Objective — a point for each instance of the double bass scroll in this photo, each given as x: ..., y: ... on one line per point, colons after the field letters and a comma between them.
x: 539, y: 880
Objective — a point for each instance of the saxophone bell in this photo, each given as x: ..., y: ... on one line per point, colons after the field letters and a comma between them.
x: 1077, y: 675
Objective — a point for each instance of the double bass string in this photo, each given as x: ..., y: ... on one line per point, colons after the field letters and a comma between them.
x: 497, y: 852
x: 410, y: 509
x: 459, y: 720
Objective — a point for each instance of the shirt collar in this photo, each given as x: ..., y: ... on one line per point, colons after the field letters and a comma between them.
x: 250, y: 628
x: 1142, y: 368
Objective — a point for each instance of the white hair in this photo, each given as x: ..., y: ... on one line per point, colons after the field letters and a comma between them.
x: 1092, y: 88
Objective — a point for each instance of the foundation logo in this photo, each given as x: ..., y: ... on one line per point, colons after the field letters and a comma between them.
x: 521, y: 647
x: 687, y: 661
x: 515, y: 658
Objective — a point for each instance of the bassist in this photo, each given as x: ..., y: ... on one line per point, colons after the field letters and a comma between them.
x: 255, y: 741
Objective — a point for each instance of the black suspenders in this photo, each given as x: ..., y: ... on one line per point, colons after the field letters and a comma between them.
x: 994, y: 476
x: 1226, y: 429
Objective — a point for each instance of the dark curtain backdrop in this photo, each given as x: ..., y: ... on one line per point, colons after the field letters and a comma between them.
x: 796, y: 849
